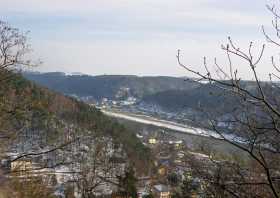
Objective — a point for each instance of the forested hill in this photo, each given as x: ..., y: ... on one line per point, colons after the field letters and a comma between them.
x: 169, y: 93
x: 204, y: 96
x: 109, y: 86
x: 38, y: 118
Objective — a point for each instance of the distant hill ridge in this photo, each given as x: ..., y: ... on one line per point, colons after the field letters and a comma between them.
x: 170, y: 93
x: 109, y: 85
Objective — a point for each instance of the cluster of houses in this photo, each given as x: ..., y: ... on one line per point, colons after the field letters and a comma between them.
x: 107, y: 103
x: 25, y: 167
x: 171, y: 157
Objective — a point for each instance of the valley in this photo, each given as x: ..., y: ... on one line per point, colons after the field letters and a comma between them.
x: 129, y: 99
x: 194, y: 137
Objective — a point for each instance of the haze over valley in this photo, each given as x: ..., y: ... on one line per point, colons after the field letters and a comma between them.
x: 139, y: 99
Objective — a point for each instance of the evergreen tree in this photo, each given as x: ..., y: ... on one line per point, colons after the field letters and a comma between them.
x: 127, y: 184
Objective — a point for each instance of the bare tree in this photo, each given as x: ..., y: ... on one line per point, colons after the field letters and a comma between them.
x: 13, y: 47
x: 97, y: 167
x: 13, y: 50
x: 253, y: 124
x: 17, y: 117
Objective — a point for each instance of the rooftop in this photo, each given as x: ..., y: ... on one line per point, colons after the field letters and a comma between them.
x: 161, y: 188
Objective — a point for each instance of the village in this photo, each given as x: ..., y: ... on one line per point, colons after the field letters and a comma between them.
x: 171, y: 162
x: 171, y: 166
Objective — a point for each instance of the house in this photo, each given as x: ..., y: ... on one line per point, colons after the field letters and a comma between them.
x: 142, y: 192
x: 24, y: 165
x: 161, y: 191
x: 181, y: 154
x: 177, y: 144
x: 162, y: 170
x: 139, y: 136
x: 152, y: 141
x: 21, y: 165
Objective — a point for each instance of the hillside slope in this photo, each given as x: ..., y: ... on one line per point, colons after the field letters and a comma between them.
x: 35, y: 118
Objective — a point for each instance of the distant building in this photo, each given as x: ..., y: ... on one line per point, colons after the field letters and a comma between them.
x: 142, y: 192
x: 139, y: 136
x: 181, y: 154
x: 161, y: 191
x: 21, y: 165
x: 177, y: 144
x: 162, y: 170
x: 152, y: 141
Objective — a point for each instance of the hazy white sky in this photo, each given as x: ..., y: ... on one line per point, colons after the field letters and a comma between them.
x: 136, y: 36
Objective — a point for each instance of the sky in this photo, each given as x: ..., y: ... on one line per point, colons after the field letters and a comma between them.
x: 138, y: 37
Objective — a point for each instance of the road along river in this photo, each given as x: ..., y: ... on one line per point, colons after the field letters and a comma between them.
x: 168, y: 125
